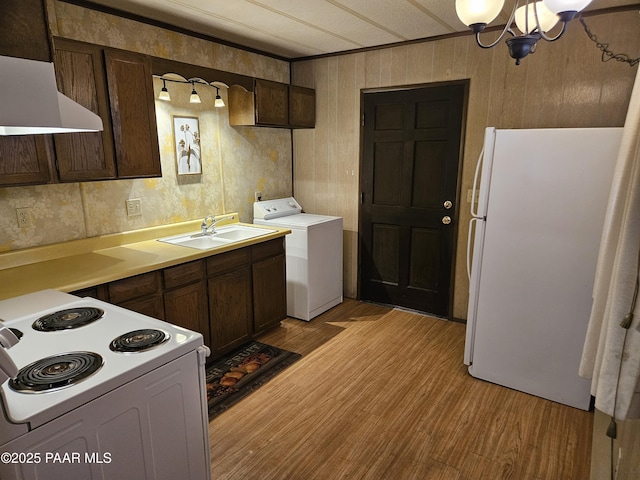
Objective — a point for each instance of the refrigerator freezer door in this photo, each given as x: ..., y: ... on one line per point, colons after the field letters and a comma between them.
x: 485, y: 163
x: 532, y: 283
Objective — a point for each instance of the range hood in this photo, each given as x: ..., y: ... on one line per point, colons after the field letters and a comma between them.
x: 30, y: 103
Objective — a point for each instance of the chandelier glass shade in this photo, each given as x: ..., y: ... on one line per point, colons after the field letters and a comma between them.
x: 534, y: 20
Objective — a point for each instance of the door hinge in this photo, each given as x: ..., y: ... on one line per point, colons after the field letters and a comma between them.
x: 362, y: 121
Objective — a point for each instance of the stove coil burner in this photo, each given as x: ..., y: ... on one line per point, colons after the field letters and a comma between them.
x: 56, y: 372
x: 67, y: 319
x: 138, y: 340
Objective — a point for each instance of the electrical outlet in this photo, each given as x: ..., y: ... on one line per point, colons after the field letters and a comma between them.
x: 24, y: 217
x: 257, y: 196
x: 134, y: 207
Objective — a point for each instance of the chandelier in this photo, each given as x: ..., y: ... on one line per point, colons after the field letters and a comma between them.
x: 534, y: 20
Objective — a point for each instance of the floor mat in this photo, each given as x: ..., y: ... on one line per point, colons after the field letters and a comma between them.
x: 243, y: 371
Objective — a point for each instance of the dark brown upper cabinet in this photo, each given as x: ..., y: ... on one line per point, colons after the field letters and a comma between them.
x: 25, y: 30
x: 26, y: 160
x: 302, y: 107
x: 116, y: 85
x: 272, y: 104
x: 81, y: 77
x: 133, y: 114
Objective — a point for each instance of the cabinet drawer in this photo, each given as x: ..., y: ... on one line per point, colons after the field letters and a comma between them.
x: 184, y: 274
x: 272, y: 248
x: 134, y: 287
x: 99, y: 292
x: 226, y: 261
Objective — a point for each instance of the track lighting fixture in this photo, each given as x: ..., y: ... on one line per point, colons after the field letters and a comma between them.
x: 219, y: 102
x: 164, y: 93
x: 194, y: 98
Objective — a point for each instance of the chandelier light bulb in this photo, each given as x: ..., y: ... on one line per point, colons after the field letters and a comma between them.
x: 546, y: 17
x: 474, y: 12
x: 560, y: 6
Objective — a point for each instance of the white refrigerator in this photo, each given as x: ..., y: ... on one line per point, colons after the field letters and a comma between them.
x: 536, y: 233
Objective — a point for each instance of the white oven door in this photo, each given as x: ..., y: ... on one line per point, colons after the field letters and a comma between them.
x: 154, y: 427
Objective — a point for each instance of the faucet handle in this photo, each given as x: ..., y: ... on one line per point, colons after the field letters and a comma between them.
x: 206, y: 226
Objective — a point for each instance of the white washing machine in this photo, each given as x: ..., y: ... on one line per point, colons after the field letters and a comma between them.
x: 313, y: 255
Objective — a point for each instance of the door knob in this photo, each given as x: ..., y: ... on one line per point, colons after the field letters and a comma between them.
x: 446, y: 220
x: 448, y: 204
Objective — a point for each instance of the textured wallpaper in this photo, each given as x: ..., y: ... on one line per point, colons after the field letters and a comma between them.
x: 236, y: 161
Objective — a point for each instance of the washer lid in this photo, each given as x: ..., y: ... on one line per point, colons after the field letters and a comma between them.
x: 301, y: 220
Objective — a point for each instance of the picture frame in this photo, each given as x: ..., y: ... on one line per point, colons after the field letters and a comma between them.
x: 186, y: 139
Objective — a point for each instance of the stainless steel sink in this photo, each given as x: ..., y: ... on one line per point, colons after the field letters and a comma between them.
x: 225, y: 235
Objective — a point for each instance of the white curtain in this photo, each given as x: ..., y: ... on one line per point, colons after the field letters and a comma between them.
x: 614, y: 382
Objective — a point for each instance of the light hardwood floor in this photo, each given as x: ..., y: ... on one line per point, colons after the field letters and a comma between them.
x: 383, y: 394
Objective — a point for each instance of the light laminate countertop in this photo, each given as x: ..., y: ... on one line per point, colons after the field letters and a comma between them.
x: 79, y: 264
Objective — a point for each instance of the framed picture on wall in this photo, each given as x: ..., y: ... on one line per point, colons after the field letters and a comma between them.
x: 186, y: 137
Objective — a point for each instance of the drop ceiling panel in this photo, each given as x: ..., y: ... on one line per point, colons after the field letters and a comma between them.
x: 299, y: 28
x: 327, y: 17
x: 249, y: 19
x: 404, y: 18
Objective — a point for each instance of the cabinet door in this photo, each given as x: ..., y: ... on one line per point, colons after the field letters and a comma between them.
x: 25, y: 30
x: 302, y: 107
x: 151, y: 305
x: 81, y: 77
x: 272, y: 103
x: 25, y: 159
x: 230, y: 309
x: 133, y: 114
x: 187, y: 307
x: 269, y: 293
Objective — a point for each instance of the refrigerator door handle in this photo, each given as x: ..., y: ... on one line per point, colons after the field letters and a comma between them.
x: 469, y: 236
x: 475, y: 184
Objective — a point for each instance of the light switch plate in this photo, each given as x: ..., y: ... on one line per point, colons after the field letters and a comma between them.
x: 134, y: 207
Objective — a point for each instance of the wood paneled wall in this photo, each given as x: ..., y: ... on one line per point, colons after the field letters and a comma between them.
x: 564, y: 84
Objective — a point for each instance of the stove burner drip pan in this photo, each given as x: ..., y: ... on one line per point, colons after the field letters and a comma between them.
x: 67, y: 319
x: 56, y: 372
x: 138, y: 340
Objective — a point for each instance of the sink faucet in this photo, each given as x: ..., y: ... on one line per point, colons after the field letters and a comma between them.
x: 210, y: 228
x: 206, y: 226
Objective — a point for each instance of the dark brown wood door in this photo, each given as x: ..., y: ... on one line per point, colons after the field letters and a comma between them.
x: 411, y: 151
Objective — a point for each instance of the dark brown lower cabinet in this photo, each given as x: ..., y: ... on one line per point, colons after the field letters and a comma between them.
x: 229, y: 298
x: 230, y: 309
x: 187, y: 307
x: 150, y: 305
x: 269, y: 293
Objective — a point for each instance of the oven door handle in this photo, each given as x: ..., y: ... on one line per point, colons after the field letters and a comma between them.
x: 8, y: 369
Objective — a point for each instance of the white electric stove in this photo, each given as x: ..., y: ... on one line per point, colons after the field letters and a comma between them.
x: 94, y: 391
